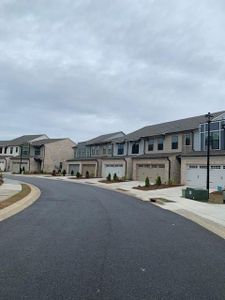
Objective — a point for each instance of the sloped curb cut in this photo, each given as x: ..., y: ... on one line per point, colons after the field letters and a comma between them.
x: 21, y: 204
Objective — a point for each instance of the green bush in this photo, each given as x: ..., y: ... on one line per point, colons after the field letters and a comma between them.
x: 147, y: 183
x: 115, y: 177
x: 78, y: 175
x: 72, y: 173
x: 158, y: 181
x: 64, y: 172
x: 53, y: 173
x: 108, y: 178
x: 87, y: 175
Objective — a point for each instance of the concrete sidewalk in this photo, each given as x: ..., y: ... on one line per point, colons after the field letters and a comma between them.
x: 210, y: 216
x: 9, y: 188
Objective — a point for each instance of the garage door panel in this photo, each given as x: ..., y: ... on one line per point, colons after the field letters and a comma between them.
x: 112, y: 169
x: 196, y: 176
x: 90, y: 168
x: 74, y: 167
x: 150, y: 171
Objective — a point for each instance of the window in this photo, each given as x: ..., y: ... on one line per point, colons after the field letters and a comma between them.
x: 135, y: 148
x: 215, y: 142
x: 17, y: 149
x: 93, y: 151
x: 160, y: 143
x: 104, y: 151
x: 5, y: 150
x: 11, y: 150
x: 187, y: 139
x: 0, y: 149
x: 193, y: 167
x: 25, y: 150
x: 174, y: 144
x: 120, y: 149
x: 151, y: 144
x: 37, y: 151
x: 109, y: 150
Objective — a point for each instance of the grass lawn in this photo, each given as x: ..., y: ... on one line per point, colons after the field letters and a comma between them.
x: 23, y: 193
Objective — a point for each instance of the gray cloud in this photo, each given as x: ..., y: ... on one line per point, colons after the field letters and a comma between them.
x: 83, y: 68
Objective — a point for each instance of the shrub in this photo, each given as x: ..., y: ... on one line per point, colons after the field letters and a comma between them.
x: 53, y: 173
x: 59, y: 171
x: 78, y: 175
x: 115, y: 178
x: 64, y: 172
x: 108, y: 178
x: 87, y: 174
x: 72, y: 173
x: 158, y: 180
x: 147, y: 183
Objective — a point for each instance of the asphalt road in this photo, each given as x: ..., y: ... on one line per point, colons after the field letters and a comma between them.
x: 82, y: 242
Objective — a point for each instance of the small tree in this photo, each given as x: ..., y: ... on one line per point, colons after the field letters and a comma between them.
x: 108, y: 177
x: 147, y: 183
x: 158, y: 180
x: 87, y: 174
x: 78, y: 175
x: 53, y: 173
x: 64, y: 172
x: 72, y: 173
x: 23, y: 170
x: 115, y: 178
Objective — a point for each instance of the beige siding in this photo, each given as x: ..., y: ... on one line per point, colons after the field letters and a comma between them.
x: 57, y: 152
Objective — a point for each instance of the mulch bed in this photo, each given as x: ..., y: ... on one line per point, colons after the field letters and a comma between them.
x: 111, y: 181
x: 155, y: 187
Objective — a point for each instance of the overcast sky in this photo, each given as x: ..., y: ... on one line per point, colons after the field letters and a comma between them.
x: 78, y: 69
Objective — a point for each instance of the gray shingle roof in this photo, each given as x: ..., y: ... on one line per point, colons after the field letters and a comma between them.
x: 21, y: 140
x: 105, y: 138
x: 169, y: 127
x: 46, y: 141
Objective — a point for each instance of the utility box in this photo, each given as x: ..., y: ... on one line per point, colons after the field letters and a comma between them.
x: 200, y: 195
x: 196, y: 194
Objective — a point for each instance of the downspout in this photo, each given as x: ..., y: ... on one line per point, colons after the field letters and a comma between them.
x: 169, y: 171
x: 29, y: 158
x: 21, y: 149
x: 43, y: 161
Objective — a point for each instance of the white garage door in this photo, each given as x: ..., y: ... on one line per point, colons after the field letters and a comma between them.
x: 196, y: 176
x: 2, y: 165
x: 74, y: 167
x: 112, y: 169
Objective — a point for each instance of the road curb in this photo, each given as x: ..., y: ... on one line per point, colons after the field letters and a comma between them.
x: 21, y: 204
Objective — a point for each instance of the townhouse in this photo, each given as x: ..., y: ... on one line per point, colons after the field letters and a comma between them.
x: 35, y: 153
x: 97, y: 157
x: 175, y: 151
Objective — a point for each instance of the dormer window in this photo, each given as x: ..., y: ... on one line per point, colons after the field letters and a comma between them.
x: 135, y: 148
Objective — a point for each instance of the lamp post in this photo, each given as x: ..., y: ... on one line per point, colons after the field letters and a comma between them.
x: 209, y: 117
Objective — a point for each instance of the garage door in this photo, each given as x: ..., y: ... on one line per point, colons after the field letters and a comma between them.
x: 16, y: 166
x: 74, y: 168
x: 91, y: 169
x: 152, y: 171
x: 112, y: 169
x: 2, y: 165
x: 196, y: 176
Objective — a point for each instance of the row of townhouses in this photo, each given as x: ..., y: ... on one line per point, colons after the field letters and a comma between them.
x: 35, y: 154
x: 175, y: 151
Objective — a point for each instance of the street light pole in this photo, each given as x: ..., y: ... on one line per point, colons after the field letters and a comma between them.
x: 209, y: 117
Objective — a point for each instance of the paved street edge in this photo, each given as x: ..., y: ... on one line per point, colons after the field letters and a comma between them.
x: 21, y: 204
